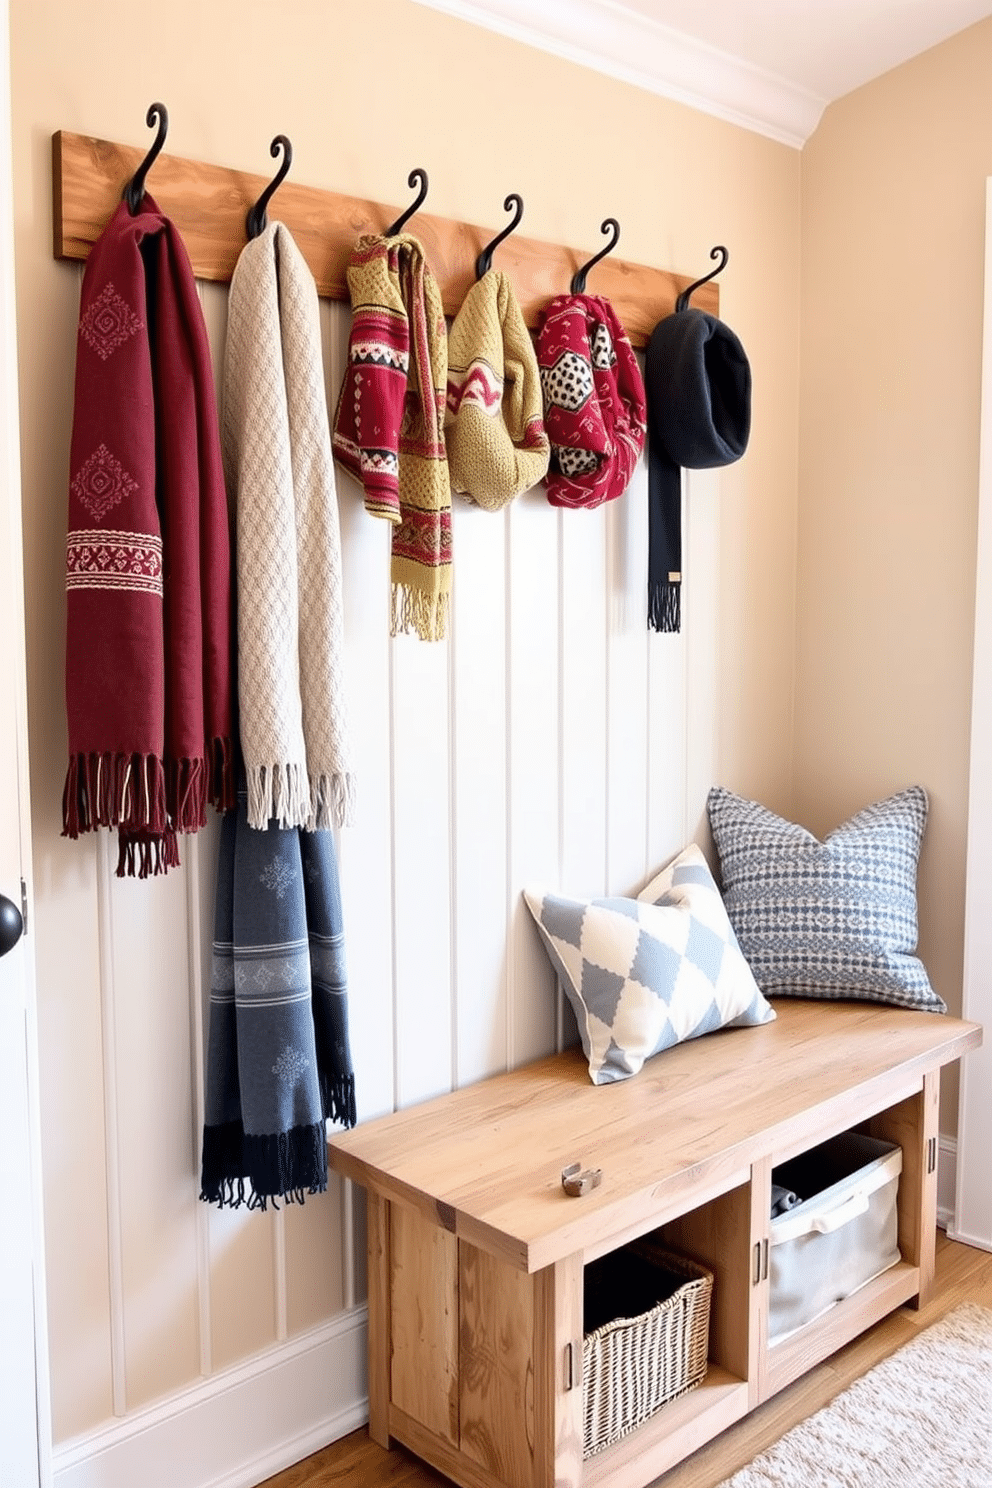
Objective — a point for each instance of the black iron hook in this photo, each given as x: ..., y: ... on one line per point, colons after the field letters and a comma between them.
x: 256, y: 220
x: 682, y: 303
x: 412, y: 179
x: 513, y: 203
x: 579, y: 280
x: 135, y: 188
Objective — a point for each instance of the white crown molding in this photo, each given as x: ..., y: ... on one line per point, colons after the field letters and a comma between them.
x: 607, y: 36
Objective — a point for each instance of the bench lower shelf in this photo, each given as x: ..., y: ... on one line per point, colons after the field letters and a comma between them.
x: 476, y: 1259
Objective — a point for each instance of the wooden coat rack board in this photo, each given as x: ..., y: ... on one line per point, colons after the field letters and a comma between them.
x: 208, y: 204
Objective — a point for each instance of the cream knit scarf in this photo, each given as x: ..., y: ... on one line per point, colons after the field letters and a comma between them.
x: 497, y: 445
x: 280, y: 476
x: 389, y: 425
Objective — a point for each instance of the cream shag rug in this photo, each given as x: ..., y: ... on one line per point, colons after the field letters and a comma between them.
x: 922, y: 1418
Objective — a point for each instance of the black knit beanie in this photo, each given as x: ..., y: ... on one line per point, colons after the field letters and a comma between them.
x: 698, y: 384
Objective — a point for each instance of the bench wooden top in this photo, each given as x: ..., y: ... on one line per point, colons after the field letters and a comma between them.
x: 485, y: 1161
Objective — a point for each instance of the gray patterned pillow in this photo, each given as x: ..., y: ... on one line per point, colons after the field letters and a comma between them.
x: 831, y: 919
x: 643, y: 974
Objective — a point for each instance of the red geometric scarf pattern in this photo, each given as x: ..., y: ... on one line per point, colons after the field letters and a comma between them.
x: 148, y: 642
x: 594, y: 404
x: 389, y: 425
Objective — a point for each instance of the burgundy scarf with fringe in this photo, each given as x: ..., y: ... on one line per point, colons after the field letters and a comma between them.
x: 148, y: 623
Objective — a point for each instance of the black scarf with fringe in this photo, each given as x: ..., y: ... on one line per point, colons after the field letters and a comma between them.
x: 698, y: 383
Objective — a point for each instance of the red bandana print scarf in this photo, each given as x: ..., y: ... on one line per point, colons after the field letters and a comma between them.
x: 148, y: 642
x: 594, y: 406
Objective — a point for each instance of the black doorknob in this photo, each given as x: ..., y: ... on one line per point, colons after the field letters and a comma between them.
x: 11, y: 925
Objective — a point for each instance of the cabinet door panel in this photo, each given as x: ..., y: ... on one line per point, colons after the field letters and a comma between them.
x: 424, y: 1322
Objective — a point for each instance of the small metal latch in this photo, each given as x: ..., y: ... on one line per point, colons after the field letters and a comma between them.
x: 576, y: 1180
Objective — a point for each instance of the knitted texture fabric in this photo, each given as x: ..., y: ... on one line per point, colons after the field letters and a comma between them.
x: 593, y: 400
x: 278, y: 1058
x: 280, y: 472
x: 148, y: 636
x: 389, y: 425
x: 699, y: 416
x: 497, y: 445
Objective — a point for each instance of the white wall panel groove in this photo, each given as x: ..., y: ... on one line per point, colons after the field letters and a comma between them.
x: 547, y: 742
x: 111, y: 1109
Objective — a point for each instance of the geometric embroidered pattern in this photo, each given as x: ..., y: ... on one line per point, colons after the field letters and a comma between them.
x: 277, y: 877
x: 101, y: 482
x: 644, y: 974
x: 477, y: 384
x: 423, y: 538
x: 601, y: 345
x: 379, y: 354
x: 108, y: 323
x: 290, y: 1065
x: 832, y: 919
x: 269, y: 975
x: 114, y: 560
x: 384, y: 462
x: 568, y: 383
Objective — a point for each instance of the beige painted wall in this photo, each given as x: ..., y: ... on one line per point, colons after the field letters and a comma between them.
x: 366, y: 89
x: 893, y: 203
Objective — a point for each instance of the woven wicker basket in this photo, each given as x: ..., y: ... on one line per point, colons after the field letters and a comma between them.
x: 632, y: 1365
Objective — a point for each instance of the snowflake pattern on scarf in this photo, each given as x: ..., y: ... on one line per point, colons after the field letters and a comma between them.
x: 290, y: 1065
x: 277, y: 877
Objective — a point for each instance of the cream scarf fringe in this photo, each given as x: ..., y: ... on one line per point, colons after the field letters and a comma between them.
x: 280, y: 476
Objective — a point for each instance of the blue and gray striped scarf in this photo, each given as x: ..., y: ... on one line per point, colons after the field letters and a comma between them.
x: 278, y: 1059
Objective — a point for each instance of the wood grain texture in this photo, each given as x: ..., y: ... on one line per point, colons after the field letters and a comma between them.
x: 560, y: 1327
x: 378, y: 1221
x: 497, y: 1369
x: 424, y: 1319
x: 913, y: 1125
x: 209, y: 203
x: 963, y: 1274
x: 493, y: 1152
x: 718, y: 1235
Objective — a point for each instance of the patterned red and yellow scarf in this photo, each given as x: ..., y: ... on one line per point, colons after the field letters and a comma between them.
x: 389, y: 424
x: 148, y: 641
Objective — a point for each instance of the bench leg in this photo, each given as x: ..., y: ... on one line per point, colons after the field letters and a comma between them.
x: 378, y: 1253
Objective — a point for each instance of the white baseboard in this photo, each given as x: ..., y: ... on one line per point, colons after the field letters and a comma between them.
x: 237, y: 1428
x: 947, y: 1171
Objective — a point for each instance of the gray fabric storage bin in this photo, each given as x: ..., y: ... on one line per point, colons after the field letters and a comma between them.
x: 842, y: 1233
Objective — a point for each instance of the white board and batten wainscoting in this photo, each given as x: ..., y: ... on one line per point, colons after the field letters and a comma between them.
x: 973, y: 1207
x: 25, y: 1427
x: 551, y: 739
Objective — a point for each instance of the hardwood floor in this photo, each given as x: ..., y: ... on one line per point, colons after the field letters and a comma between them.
x: 963, y: 1274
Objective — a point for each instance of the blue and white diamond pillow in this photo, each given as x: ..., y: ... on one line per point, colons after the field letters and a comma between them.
x: 833, y: 919
x: 643, y: 974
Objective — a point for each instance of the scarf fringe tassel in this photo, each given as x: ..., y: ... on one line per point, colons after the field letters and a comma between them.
x: 145, y: 856
x: 419, y: 612
x: 280, y: 793
x: 114, y: 790
x: 239, y: 1167
x: 665, y: 607
x: 147, y: 800
x: 338, y: 1097
x: 332, y: 800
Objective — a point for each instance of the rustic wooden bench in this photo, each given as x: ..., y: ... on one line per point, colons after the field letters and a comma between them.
x: 476, y: 1253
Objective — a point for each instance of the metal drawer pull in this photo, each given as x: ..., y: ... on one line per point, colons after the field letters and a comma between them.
x: 760, y: 1272
x: 577, y: 1181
